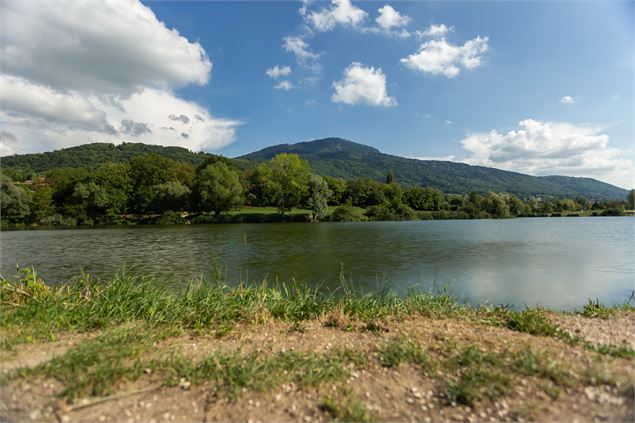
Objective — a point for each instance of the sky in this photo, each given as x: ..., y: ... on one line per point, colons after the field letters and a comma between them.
x: 534, y: 87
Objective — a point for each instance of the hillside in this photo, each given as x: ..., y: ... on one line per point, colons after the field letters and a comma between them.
x: 346, y: 159
x: 92, y: 155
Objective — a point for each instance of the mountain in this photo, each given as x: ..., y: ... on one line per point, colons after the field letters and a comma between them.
x: 341, y: 158
x: 346, y: 159
x: 92, y: 155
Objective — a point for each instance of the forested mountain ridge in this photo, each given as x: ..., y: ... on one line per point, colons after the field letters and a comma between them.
x: 91, y: 156
x: 340, y: 158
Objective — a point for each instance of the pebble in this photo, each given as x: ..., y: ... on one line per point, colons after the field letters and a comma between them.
x: 410, y: 400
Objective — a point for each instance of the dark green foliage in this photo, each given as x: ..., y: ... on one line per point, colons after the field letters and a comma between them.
x: 345, y: 159
x: 218, y: 188
x: 91, y: 156
x: 347, y: 213
x: 15, y: 200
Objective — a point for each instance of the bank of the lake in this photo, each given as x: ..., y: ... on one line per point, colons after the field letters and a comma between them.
x: 133, y: 348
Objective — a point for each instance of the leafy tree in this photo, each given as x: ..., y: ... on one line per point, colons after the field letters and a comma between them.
x: 146, y: 172
x: 218, y: 188
x: 42, y: 205
x: 114, y: 179
x: 89, y: 201
x: 630, y: 199
x: 497, y: 206
x: 391, y: 178
x: 338, y: 189
x: 319, y: 193
x: 516, y: 206
x: 364, y: 192
x: 285, y: 180
x: 424, y: 198
x: 171, y: 195
x: 15, y: 201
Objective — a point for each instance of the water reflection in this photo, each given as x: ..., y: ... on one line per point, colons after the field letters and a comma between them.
x: 558, y: 263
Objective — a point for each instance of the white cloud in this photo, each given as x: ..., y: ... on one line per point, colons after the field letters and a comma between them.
x: 551, y: 148
x: 284, y: 85
x: 389, y: 18
x: 448, y: 122
x: 88, y: 72
x: 567, y: 100
x: 435, y: 30
x: 301, y: 50
x: 97, y: 46
x: 278, y: 71
x: 341, y: 12
x: 365, y: 85
x: 444, y: 58
x: 448, y: 158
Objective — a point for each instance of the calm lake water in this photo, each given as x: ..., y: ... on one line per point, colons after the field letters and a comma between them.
x: 556, y: 262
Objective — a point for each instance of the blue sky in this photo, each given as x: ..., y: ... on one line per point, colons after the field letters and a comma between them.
x: 535, y: 87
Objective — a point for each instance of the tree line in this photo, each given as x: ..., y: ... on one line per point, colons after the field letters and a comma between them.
x: 160, y: 186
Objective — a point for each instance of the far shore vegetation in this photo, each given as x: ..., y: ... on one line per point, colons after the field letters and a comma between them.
x: 160, y: 190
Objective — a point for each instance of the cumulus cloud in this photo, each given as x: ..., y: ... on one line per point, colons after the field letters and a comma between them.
x: 551, y: 148
x: 567, y: 100
x: 362, y: 85
x: 278, y: 71
x: 89, y: 72
x: 435, y: 30
x: 301, y: 50
x: 284, y: 85
x: 440, y: 57
x: 97, y: 46
x: 389, y: 18
x: 340, y: 12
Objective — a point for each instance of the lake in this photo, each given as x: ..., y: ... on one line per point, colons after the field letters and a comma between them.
x: 556, y: 262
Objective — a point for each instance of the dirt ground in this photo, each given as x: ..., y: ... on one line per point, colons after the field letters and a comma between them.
x: 402, y: 393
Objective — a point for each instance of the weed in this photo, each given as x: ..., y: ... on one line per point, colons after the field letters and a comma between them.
x: 397, y: 351
x: 346, y: 407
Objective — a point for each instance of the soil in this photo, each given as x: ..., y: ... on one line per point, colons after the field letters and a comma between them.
x: 405, y: 393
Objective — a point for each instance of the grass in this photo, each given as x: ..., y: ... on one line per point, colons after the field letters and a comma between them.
x: 594, y: 309
x: 346, y: 407
x: 400, y: 350
x: 33, y: 311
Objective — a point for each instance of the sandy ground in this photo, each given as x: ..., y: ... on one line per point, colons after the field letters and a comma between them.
x: 405, y: 393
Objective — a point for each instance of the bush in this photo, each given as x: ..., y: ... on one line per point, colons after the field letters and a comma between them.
x: 347, y: 213
x: 170, y: 218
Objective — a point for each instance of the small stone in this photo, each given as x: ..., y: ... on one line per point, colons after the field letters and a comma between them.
x: 184, y: 383
x: 102, y: 418
x: 410, y: 400
x: 65, y: 418
x: 147, y: 370
x: 307, y: 418
x: 417, y: 395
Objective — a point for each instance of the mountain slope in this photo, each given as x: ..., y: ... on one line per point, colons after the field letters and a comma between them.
x: 346, y: 159
x: 341, y: 158
x: 92, y: 155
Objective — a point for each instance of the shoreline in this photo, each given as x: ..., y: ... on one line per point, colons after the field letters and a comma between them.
x: 130, y: 349
x: 301, y: 216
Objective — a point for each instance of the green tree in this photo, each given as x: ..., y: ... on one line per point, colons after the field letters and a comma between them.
x: 497, y: 206
x: 419, y: 198
x: 285, y: 180
x: 630, y: 200
x: 391, y: 178
x: 338, y: 189
x: 146, y: 172
x: 218, y: 188
x: 319, y: 193
x: 15, y: 201
x: 172, y: 195
x: 114, y: 179
x: 42, y: 205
